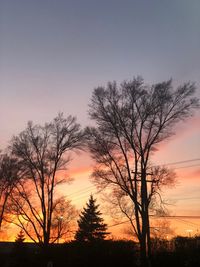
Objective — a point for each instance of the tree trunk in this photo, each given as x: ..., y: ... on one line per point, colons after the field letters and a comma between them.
x: 46, y: 240
x: 145, y: 241
x: 143, y: 252
x: 148, y: 236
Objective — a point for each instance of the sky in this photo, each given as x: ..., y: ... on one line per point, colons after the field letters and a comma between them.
x: 54, y: 53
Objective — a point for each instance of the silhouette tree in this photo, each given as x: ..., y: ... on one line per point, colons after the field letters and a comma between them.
x: 8, y: 178
x: 20, y: 238
x: 41, y: 152
x: 20, y: 252
x: 132, y: 119
x: 90, y: 225
x: 63, y: 219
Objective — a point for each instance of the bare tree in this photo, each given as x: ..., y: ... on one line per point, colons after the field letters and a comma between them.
x: 42, y: 155
x: 162, y: 229
x: 63, y: 221
x: 132, y: 119
x: 161, y: 233
x: 8, y: 179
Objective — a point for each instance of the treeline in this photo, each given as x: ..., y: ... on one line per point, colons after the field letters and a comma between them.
x: 106, y: 253
x: 180, y: 251
x: 73, y: 254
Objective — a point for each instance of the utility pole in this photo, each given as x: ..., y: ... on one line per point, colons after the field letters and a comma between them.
x: 145, y: 209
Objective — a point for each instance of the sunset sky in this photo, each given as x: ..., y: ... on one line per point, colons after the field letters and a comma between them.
x: 54, y: 53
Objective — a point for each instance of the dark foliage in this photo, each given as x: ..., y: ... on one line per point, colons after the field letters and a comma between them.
x: 91, y: 226
x: 103, y: 253
x: 20, y: 237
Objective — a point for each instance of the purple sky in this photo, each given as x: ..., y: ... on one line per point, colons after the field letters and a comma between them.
x: 53, y: 54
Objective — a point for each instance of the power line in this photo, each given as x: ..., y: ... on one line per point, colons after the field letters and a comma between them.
x: 178, y: 162
x: 176, y: 217
x: 116, y: 224
x: 83, y: 189
x: 186, y: 198
x: 166, y: 164
x: 187, y: 222
x: 187, y: 166
x: 86, y: 194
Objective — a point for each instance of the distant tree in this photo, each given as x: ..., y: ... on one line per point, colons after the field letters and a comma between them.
x: 131, y: 120
x: 20, y: 251
x: 90, y: 225
x: 42, y: 153
x: 162, y: 229
x: 20, y: 238
x: 63, y: 220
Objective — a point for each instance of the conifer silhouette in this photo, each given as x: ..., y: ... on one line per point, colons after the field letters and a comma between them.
x: 90, y: 224
x: 20, y: 237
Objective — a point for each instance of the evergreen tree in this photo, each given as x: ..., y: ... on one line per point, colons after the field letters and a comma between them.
x: 20, y: 237
x: 90, y: 224
x: 20, y: 251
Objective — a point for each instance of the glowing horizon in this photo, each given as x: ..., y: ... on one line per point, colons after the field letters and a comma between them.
x: 54, y: 55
